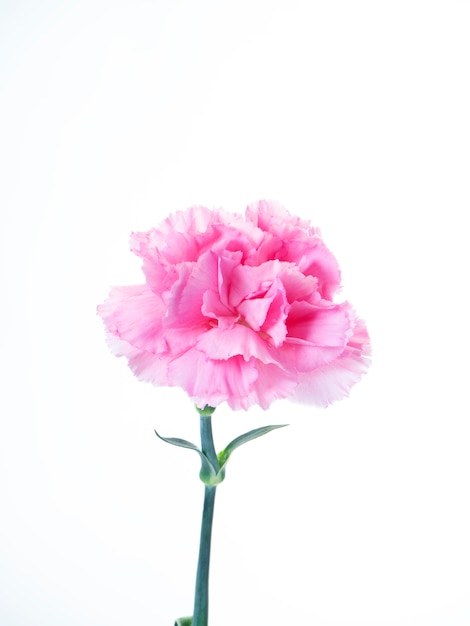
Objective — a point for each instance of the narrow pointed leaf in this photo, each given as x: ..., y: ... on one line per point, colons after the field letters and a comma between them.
x: 208, y: 472
x: 224, y: 455
x: 184, y: 621
x: 175, y: 441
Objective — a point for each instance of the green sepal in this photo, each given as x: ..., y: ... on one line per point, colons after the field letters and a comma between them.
x: 225, y: 454
x: 184, y: 621
x: 208, y: 474
x: 207, y: 411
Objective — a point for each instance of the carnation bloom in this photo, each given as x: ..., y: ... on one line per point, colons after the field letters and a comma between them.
x: 239, y: 310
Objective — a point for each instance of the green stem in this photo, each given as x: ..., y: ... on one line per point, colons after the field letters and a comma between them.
x: 201, y: 600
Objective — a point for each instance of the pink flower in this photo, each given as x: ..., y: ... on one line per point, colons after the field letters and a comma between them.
x: 238, y: 310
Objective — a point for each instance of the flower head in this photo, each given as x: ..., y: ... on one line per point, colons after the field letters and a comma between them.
x: 239, y: 310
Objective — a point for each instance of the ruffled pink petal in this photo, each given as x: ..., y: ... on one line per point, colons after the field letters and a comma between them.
x: 319, y: 262
x: 210, y: 381
x: 332, y: 382
x: 186, y: 298
x: 216, y: 312
x: 316, y: 336
x: 240, y: 238
x: 274, y: 324
x: 181, y: 237
x: 297, y: 286
x: 227, y: 262
x: 273, y: 383
x: 192, y: 221
x: 305, y: 357
x: 222, y: 344
x: 134, y: 314
x: 254, y: 311
x: 252, y: 281
x: 274, y: 218
x: 146, y: 366
x: 149, y: 368
x: 328, y: 326
x: 176, y: 341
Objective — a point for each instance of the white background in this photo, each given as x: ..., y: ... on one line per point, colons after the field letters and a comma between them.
x: 352, y: 114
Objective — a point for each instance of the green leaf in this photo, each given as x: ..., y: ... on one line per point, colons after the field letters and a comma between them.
x: 208, y: 473
x: 175, y: 441
x: 224, y: 455
x: 184, y: 621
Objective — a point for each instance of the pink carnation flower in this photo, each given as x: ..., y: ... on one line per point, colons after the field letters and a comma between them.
x: 239, y: 310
